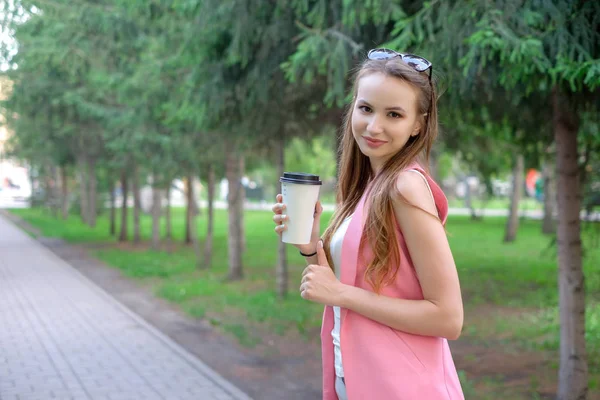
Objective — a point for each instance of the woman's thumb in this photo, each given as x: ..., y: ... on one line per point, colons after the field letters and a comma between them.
x: 318, y: 208
x: 321, y: 257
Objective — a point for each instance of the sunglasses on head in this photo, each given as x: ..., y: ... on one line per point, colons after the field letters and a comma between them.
x: 418, y: 63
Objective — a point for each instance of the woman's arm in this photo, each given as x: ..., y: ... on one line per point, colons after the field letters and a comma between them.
x: 441, y: 311
x: 311, y: 260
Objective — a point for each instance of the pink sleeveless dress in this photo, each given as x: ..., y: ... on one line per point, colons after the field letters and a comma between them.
x: 381, y: 363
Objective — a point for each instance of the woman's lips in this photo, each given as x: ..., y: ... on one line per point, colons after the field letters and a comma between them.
x: 374, y: 143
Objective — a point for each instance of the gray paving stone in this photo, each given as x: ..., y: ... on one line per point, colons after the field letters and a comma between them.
x: 62, y: 337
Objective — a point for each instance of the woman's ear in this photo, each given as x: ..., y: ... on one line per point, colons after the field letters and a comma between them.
x: 418, y: 126
x: 417, y: 129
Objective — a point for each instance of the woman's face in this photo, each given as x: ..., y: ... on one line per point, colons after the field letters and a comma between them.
x: 384, y: 117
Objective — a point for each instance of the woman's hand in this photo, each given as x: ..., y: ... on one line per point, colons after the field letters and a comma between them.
x: 280, y: 218
x: 319, y: 283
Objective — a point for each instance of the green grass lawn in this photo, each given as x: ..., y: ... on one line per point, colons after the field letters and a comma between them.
x: 497, y: 203
x: 520, y: 276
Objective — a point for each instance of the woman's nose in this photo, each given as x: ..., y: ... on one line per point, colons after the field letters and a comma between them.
x: 374, y: 126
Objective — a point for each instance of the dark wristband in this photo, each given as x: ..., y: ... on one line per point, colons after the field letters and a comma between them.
x: 308, y: 255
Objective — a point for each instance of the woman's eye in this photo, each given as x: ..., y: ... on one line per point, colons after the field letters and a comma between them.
x: 395, y: 115
x: 364, y: 108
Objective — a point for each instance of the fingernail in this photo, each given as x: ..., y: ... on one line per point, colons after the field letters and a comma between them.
x: 283, y: 216
x: 320, y: 244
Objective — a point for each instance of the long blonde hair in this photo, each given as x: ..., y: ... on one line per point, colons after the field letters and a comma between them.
x: 355, y: 173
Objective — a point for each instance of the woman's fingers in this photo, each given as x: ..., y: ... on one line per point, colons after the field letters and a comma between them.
x: 279, y: 206
x: 279, y: 218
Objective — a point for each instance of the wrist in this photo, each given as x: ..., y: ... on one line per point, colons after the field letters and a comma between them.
x: 308, y: 248
x: 345, y: 294
x: 308, y: 255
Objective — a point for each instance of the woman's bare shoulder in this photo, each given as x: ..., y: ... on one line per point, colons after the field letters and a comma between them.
x: 414, y: 189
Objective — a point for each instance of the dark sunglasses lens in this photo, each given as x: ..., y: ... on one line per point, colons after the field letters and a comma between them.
x: 381, y: 54
x: 418, y: 63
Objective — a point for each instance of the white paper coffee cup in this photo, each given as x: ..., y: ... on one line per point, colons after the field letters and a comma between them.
x: 300, y: 193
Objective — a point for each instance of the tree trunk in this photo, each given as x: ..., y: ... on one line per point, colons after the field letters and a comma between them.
x: 208, y: 243
x: 169, y: 233
x: 512, y: 223
x: 234, y: 232
x: 92, y: 191
x: 83, y: 190
x: 113, y: 206
x: 137, y: 204
x: 156, y: 206
x: 124, y: 191
x: 281, y: 269
x: 188, y: 213
x: 32, y: 183
x: 548, y: 225
x: 65, y: 192
x: 55, y: 190
x: 242, y: 204
x: 469, y: 199
x: 192, y: 206
x: 48, y: 192
x: 573, y: 370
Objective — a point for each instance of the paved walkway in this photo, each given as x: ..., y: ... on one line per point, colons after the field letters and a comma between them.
x: 62, y: 337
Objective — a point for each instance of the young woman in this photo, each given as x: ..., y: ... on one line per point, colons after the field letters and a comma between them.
x: 394, y: 299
